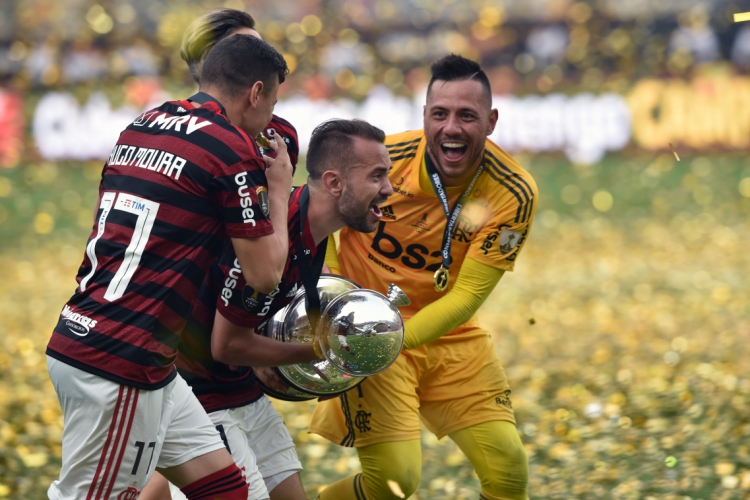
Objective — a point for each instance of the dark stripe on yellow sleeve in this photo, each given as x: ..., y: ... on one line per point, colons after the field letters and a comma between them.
x: 514, y: 175
x: 415, y: 141
x: 401, y: 150
x: 403, y: 157
x: 510, y: 180
x: 501, y: 180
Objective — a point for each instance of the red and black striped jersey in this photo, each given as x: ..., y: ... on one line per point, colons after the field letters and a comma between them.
x: 280, y: 126
x: 219, y: 386
x: 179, y: 181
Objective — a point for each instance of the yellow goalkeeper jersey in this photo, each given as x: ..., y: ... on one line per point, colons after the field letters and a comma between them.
x: 405, y: 249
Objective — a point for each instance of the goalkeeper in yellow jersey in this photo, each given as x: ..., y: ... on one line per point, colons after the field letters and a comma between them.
x: 459, y: 217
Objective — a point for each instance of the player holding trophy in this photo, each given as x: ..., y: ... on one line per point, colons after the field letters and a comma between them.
x: 459, y: 217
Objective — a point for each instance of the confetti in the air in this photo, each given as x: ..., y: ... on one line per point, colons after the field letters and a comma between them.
x: 674, y: 152
x: 395, y: 488
x: 741, y: 16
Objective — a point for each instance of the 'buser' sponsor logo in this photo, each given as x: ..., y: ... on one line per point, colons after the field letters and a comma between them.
x: 248, y: 214
x: 415, y: 257
x: 230, y: 283
x: 268, y: 302
x: 77, y: 323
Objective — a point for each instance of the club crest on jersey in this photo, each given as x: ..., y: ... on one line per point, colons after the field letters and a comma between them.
x: 508, y: 241
x: 262, y: 194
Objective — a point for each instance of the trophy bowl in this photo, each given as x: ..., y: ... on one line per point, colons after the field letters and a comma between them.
x: 360, y: 332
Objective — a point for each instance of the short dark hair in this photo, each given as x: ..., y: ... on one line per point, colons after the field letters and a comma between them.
x: 454, y: 67
x: 332, y: 144
x: 238, y: 61
x: 208, y: 30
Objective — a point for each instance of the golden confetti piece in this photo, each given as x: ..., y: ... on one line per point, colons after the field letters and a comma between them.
x: 262, y: 142
x: 674, y: 152
x: 396, y: 489
x: 741, y: 16
x: 670, y: 461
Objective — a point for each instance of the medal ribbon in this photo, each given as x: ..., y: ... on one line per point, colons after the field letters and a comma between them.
x: 310, y: 273
x: 203, y: 98
x: 451, y: 215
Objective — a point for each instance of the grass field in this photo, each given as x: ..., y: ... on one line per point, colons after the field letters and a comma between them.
x: 623, y: 330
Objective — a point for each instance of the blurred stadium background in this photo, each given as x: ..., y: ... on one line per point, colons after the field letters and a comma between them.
x: 623, y: 329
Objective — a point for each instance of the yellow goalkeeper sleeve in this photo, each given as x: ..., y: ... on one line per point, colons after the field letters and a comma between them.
x: 332, y: 257
x: 474, y: 284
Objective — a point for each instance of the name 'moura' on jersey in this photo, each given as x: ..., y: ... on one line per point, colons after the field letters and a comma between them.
x: 179, y: 181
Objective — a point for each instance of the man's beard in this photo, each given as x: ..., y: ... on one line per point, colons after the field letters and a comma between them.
x: 353, y: 214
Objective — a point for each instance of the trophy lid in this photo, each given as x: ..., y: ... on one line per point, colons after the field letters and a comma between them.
x: 361, y: 332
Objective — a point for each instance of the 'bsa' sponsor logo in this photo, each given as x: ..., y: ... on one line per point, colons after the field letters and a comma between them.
x: 414, y: 256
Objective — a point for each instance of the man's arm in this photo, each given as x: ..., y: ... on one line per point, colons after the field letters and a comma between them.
x: 262, y: 260
x: 474, y: 284
x: 237, y: 345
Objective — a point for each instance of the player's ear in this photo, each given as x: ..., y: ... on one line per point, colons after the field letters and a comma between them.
x: 492, y: 121
x: 333, y: 182
x: 255, y: 92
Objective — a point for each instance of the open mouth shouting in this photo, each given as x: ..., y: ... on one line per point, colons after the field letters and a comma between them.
x: 453, y: 150
x: 375, y: 211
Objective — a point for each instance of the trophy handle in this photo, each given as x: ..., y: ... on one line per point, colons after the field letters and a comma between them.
x: 397, y: 296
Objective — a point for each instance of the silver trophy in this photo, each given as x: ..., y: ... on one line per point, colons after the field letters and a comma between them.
x: 360, y: 332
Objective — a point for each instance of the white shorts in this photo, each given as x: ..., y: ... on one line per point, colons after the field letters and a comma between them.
x: 114, y: 436
x: 260, y: 442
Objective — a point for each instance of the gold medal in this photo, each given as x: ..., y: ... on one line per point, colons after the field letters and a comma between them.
x: 441, y: 279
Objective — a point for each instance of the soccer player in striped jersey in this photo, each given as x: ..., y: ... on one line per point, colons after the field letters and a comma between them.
x: 181, y: 181
x: 459, y: 217
x: 348, y: 168
x: 207, y: 31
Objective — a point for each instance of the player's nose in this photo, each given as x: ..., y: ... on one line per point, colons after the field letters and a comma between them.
x: 452, y: 126
x: 387, y: 188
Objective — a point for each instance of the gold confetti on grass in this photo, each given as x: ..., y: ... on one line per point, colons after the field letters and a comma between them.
x: 395, y: 488
x: 599, y: 408
x: 674, y: 152
x: 741, y: 17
